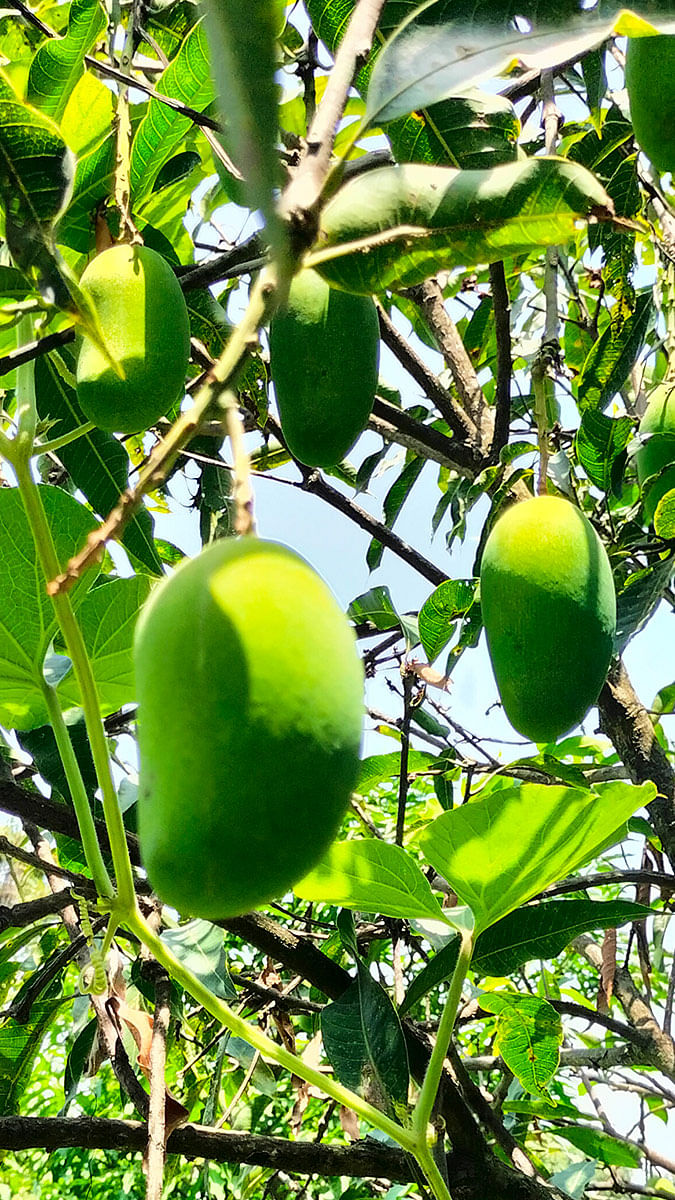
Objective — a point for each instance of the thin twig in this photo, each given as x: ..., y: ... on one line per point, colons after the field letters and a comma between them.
x: 502, y: 308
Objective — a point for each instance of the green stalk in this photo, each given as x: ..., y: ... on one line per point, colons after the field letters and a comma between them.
x: 77, y: 652
x: 64, y: 440
x: 432, y: 1078
x: 136, y: 924
x: 425, y: 1160
x: 85, y: 820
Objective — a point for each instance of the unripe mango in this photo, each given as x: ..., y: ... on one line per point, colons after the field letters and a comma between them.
x: 250, y: 696
x: 656, y: 458
x: 144, y: 320
x: 650, y: 81
x: 549, y: 609
x: 324, y: 354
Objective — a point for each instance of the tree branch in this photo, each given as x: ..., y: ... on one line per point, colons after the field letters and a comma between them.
x: 501, y: 306
x: 629, y: 727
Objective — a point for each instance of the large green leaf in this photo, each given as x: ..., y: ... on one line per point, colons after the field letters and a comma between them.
x: 543, y: 930
x: 371, y: 876
x: 440, y: 611
x: 243, y: 33
x: 107, y: 618
x: 59, y: 62
x: 460, y: 44
x: 529, y: 1036
x: 19, y: 1045
x: 36, y: 169
x: 601, y: 1146
x: 187, y: 78
x: 27, y: 620
x: 363, y: 1039
x: 97, y: 463
x: 473, y: 131
x: 612, y: 356
x: 600, y: 441
x: 199, y: 946
x: 638, y: 597
x: 499, y: 851
x: 394, y: 226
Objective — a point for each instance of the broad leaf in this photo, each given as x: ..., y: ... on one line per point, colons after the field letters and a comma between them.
x: 542, y: 931
x: 375, y: 606
x: 381, y: 768
x: 187, y: 78
x: 371, y: 876
x: 664, y: 516
x: 529, y: 1036
x: 393, y: 227
x: 19, y: 1044
x: 199, y: 946
x: 601, y: 1146
x: 499, y: 851
x: 612, y: 356
x: 59, y: 62
x: 426, y: 62
x: 638, y: 598
x: 97, y: 463
x: 241, y: 33
x: 27, y: 620
x: 439, y: 613
x: 107, y: 618
x: 600, y: 441
x: 363, y: 1039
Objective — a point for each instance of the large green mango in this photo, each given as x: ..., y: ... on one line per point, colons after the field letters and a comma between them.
x: 250, y: 696
x: 324, y: 354
x: 144, y: 320
x: 549, y: 610
x: 655, y: 460
x: 650, y: 81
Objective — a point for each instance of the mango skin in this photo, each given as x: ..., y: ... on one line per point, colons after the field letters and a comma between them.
x: 144, y: 320
x: 656, y: 457
x: 250, y: 694
x: 324, y: 354
x: 650, y: 82
x: 549, y: 610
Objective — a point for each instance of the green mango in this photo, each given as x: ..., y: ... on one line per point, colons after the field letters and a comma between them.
x: 549, y: 609
x: 144, y: 320
x: 250, y: 695
x: 650, y: 82
x: 324, y: 354
x: 656, y: 457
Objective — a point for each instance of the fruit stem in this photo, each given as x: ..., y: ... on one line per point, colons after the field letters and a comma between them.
x: 433, y: 1176
x: 539, y: 379
x: 71, y: 767
x: 64, y: 440
x: 136, y: 924
x: 432, y: 1077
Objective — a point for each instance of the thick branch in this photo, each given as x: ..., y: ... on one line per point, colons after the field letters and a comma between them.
x: 501, y: 306
x: 58, y: 818
x: 430, y: 443
x: 628, y: 726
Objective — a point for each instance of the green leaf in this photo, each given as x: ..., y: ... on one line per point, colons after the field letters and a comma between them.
x: 243, y: 33
x: 612, y: 356
x: 472, y: 131
x: 438, y: 56
x: 529, y: 1036
x: 393, y: 503
x: 41, y: 745
x: 188, y: 79
x: 244, y: 1053
x: 664, y: 516
x: 499, y: 851
x: 27, y: 620
x: 19, y: 1045
x: 36, y: 170
x: 597, y: 1144
x: 599, y: 442
x: 199, y: 946
x: 364, y: 1042
x: 395, y: 226
x: 375, y: 606
x: 59, y: 62
x: 107, y: 618
x: 544, y: 930
x: 439, y: 613
x: 88, y: 116
x: 97, y: 463
x: 637, y: 599
x: 439, y: 968
x: 371, y: 876
x: 78, y: 1056
x: 381, y: 768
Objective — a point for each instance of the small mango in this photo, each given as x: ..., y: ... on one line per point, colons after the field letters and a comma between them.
x: 655, y: 460
x: 324, y: 354
x: 250, y: 703
x: 144, y: 320
x: 650, y: 82
x: 549, y: 610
